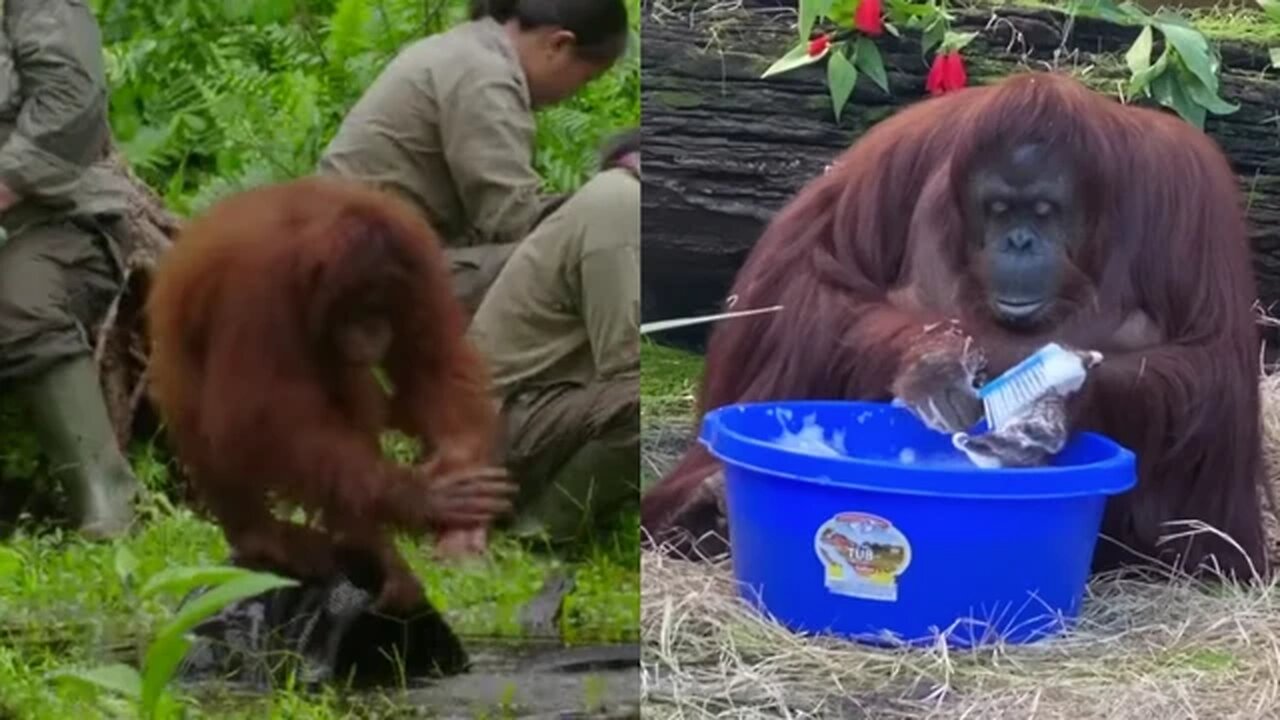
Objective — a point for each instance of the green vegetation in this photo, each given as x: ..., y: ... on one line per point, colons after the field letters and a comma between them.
x: 209, y: 98
x: 1242, y: 22
x: 670, y: 382
x: 201, y: 111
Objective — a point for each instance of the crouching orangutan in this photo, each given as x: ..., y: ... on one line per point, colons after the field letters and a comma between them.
x: 268, y: 319
x: 991, y: 221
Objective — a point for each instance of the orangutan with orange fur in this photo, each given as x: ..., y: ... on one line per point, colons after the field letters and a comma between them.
x: 1001, y: 218
x: 268, y: 318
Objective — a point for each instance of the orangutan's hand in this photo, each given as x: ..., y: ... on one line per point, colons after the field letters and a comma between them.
x: 938, y: 376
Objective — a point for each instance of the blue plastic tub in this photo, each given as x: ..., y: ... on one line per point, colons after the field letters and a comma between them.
x: 898, y: 537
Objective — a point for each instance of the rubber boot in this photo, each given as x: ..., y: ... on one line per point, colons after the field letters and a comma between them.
x: 596, y: 480
x: 70, y: 417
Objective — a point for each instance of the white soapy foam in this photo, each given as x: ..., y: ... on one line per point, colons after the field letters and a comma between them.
x: 811, y: 439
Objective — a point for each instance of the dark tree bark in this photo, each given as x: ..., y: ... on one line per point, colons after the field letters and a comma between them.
x: 725, y: 149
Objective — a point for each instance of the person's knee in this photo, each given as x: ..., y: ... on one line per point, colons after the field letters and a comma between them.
x: 616, y: 409
x: 36, y: 326
x: 474, y: 270
x: 25, y: 313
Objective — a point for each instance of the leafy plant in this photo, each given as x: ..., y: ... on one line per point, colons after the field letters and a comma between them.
x: 1272, y: 10
x: 850, y: 50
x: 148, y: 689
x: 213, y: 97
x: 1184, y: 77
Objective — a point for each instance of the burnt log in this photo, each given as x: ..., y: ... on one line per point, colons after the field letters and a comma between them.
x: 725, y: 149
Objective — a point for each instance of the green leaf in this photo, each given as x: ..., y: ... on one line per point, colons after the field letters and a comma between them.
x: 11, y: 563
x: 171, y: 643
x: 182, y: 580
x: 912, y: 10
x: 1141, y: 82
x: 163, y: 658
x: 1193, y: 49
x: 384, y: 381
x: 1138, y: 58
x: 1271, y: 8
x: 841, y: 12
x: 117, y: 678
x: 932, y: 37
x: 247, y: 585
x: 1206, y: 98
x: 810, y: 11
x: 808, y: 14
x: 1103, y: 9
x: 272, y: 11
x: 1275, y: 57
x: 796, y: 57
x: 126, y: 563
x: 892, y: 29
x: 866, y: 57
x: 957, y: 41
x: 841, y: 77
x: 1169, y: 92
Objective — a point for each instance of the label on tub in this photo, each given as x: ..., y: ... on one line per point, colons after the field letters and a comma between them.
x: 863, y: 555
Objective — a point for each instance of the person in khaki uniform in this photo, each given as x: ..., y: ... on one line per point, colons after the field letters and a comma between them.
x: 449, y: 123
x: 59, y: 266
x: 561, y: 331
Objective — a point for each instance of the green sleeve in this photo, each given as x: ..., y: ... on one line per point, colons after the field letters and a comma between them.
x: 488, y: 133
x: 62, y: 125
x: 610, y: 284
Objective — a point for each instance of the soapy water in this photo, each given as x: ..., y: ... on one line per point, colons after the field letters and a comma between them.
x: 909, y: 456
x: 811, y: 439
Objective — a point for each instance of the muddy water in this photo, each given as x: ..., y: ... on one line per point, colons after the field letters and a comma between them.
x: 535, y: 681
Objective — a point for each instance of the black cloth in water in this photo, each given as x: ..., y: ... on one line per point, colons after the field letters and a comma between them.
x: 321, y: 632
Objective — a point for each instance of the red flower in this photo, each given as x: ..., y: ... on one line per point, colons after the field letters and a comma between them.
x: 946, y: 74
x: 868, y: 18
x: 819, y: 45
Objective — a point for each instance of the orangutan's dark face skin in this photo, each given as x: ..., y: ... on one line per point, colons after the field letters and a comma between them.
x: 1023, y: 226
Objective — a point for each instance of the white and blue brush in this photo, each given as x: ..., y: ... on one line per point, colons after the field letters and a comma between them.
x: 1052, y: 368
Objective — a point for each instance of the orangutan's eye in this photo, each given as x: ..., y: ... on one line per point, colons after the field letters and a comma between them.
x: 997, y: 207
x: 1043, y: 208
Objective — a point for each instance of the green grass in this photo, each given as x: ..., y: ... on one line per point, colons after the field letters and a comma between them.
x: 668, y: 383
x: 67, y: 604
x: 1244, y: 24
x: 668, y: 390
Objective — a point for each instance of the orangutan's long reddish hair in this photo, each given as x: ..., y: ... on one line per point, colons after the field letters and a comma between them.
x: 1165, y: 235
x: 256, y: 400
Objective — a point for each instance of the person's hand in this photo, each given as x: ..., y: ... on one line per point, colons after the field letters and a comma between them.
x: 630, y: 161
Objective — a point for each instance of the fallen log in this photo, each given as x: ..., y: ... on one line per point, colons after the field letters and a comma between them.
x: 120, y: 339
x: 725, y: 149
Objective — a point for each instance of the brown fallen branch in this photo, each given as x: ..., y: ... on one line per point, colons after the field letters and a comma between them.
x: 120, y: 348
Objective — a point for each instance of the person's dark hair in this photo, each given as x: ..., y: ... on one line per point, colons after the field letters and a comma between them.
x: 600, y: 26
x: 619, y: 144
